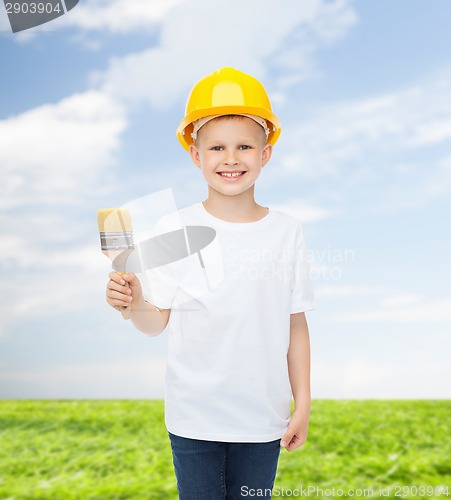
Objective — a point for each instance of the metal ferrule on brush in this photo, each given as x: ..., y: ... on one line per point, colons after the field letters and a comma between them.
x: 117, y: 241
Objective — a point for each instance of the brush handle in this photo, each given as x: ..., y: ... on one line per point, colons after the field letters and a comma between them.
x: 126, y: 310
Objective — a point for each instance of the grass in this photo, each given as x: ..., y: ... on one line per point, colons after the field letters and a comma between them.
x: 108, y: 449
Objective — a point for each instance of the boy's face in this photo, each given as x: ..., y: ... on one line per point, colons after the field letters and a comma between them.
x: 231, y: 145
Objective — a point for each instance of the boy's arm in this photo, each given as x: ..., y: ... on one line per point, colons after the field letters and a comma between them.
x: 148, y: 319
x: 145, y: 316
x: 299, y: 372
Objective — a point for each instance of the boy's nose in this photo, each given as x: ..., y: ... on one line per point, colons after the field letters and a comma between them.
x: 231, y: 159
x: 231, y: 162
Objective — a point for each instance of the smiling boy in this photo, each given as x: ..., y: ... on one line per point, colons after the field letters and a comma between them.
x: 239, y: 353
x: 231, y: 151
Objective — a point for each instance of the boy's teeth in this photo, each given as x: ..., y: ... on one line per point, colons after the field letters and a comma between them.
x: 224, y: 174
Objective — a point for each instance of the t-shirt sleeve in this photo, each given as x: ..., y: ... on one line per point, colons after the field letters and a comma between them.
x: 302, y: 295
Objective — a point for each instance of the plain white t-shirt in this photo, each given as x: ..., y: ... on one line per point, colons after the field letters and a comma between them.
x: 231, y: 297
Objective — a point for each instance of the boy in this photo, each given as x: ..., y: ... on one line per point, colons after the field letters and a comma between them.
x: 239, y: 352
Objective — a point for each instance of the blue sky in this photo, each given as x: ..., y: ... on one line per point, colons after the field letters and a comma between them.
x: 89, y: 107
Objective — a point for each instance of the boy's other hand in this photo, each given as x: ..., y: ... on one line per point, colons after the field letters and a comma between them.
x: 123, y: 290
x: 296, y: 433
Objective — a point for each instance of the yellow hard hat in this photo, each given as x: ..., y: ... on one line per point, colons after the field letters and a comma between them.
x: 227, y: 91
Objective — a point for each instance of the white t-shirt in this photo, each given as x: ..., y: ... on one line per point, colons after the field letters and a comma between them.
x: 231, y: 298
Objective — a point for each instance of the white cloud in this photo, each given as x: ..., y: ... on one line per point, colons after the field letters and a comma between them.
x: 53, y: 156
x: 59, y: 283
x: 338, y: 291
x: 127, y: 378
x: 439, y: 183
x: 119, y: 16
x: 51, y: 282
x: 367, y: 147
x: 401, y: 300
x: 432, y: 312
x: 227, y: 32
x: 50, y: 153
x: 303, y: 211
x: 413, y: 374
x: 348, y: 130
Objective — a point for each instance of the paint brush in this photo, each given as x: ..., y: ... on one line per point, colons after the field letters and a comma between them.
x: 116, y: 239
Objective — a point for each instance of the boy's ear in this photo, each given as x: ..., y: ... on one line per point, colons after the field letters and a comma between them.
x: 266, y: 154
x: 194, y: 153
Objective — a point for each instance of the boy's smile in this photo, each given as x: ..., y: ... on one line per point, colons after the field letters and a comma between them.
x: 231, y: 152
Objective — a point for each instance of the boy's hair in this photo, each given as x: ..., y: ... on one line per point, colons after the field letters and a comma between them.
x: 228, y: 117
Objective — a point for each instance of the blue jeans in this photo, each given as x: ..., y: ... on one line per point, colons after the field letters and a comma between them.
x: 215, y: 470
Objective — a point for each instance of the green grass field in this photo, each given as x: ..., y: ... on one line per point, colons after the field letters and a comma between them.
x: 105, y: 449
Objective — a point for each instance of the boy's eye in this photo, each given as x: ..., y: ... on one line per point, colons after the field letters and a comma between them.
x: 220, y: 148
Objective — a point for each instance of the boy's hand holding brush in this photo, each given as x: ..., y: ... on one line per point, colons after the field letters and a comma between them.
x: 116, y: 239
x: 124, y: 291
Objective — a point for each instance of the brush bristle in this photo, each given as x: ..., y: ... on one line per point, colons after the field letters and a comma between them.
x: 114, y: 220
